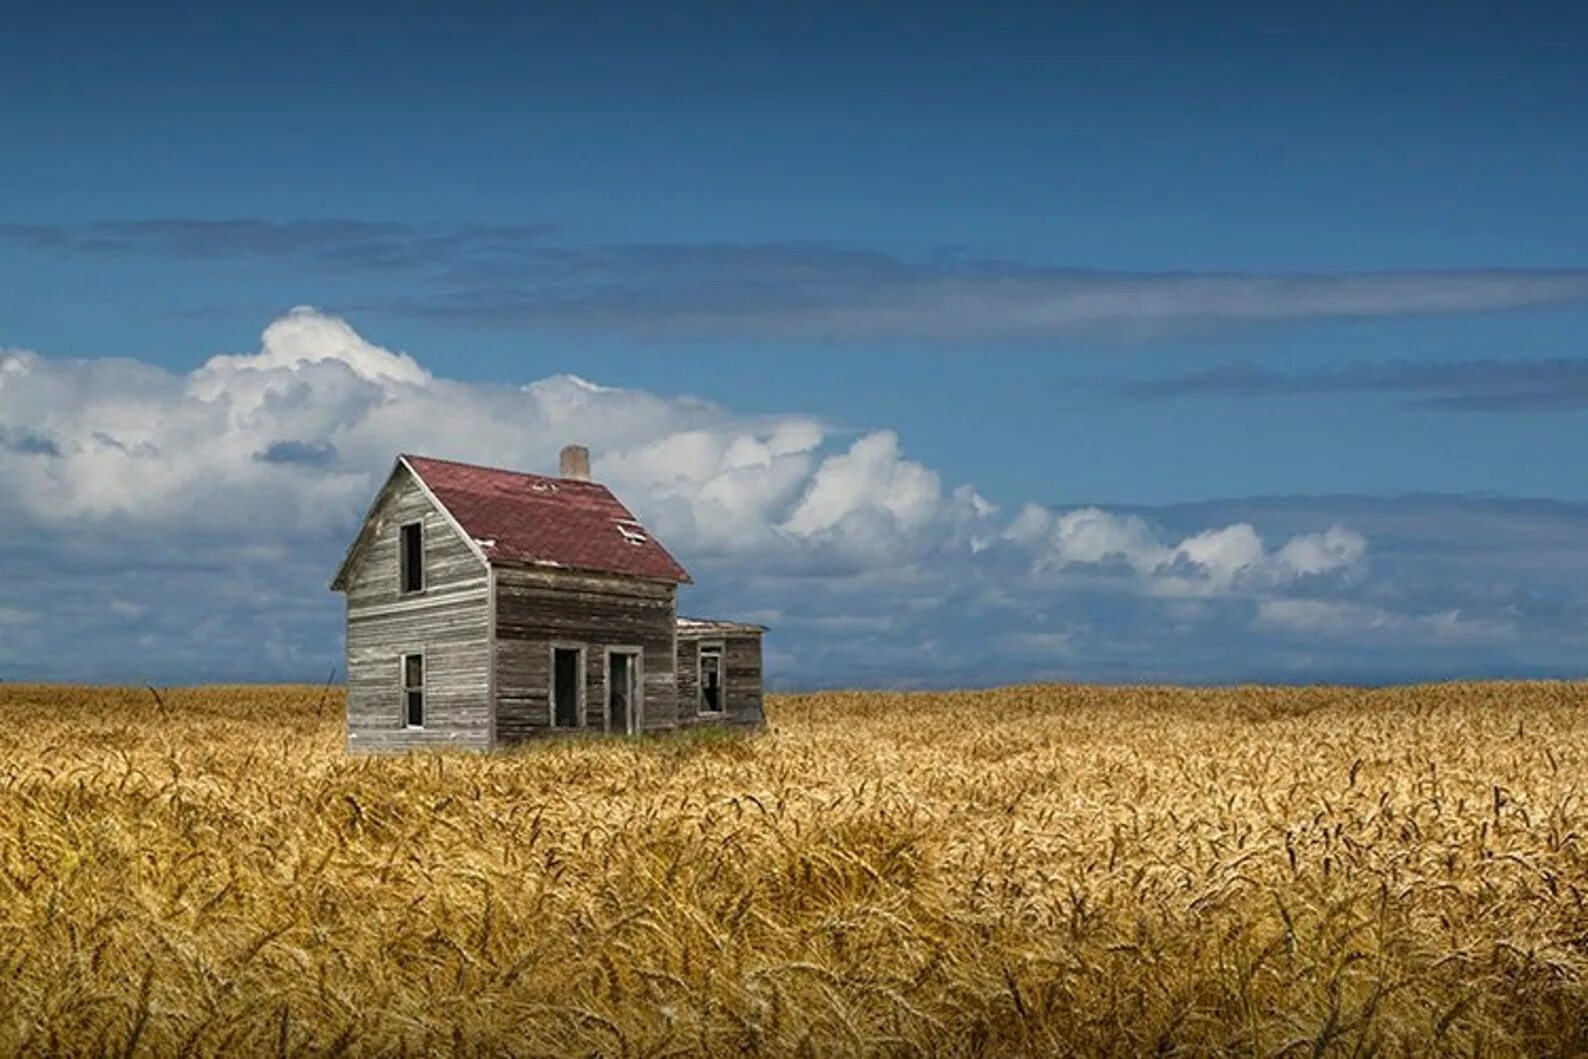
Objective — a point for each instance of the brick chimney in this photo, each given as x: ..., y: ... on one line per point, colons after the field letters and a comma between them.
x: 575, y: 463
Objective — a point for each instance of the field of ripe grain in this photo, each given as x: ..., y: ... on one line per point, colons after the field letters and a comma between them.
x: 1027, y: 871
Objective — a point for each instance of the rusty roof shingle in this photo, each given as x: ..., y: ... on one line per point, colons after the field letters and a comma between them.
x: 542, y: 521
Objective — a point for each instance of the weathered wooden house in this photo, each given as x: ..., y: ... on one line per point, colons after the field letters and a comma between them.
x: 486, y: 607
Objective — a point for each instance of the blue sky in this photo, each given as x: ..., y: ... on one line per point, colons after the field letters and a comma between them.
x: 1134, y: 256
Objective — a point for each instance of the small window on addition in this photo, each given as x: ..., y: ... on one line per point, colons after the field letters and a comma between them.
x: 414, y: 690
x: 710, y: 678
x: 412, y: 558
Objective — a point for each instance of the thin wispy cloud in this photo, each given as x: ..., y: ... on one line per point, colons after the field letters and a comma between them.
x: 333, y: 244
x: 994, y: 302
x: 1529, y: 385
x: 519, y: 275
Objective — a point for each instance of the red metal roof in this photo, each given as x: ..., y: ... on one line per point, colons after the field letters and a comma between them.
x: 528, y: 518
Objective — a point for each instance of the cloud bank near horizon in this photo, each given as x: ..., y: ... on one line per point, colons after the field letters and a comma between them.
x: 183, y: 527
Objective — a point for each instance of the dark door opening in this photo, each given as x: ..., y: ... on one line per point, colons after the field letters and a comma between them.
x: 565, y: 686
x: 620, y: 691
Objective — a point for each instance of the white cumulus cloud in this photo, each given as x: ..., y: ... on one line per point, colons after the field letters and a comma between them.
x: 200, y: 514
x: 1229, y: 559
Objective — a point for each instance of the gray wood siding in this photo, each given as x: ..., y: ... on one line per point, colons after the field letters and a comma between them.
x: 688, y: 680
x: 538, y: 607
x: 451, y: 565
x: 448, y: 622
x: 741, y: 661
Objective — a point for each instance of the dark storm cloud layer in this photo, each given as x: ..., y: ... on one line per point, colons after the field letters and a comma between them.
x: 517, y: 274
x: 1531, y: 385
x: 27, y: 443
x: 309, y: 454
x: 238, y: 615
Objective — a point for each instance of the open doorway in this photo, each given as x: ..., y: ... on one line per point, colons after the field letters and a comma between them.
x: 567, y: 687
x: 623, y: 690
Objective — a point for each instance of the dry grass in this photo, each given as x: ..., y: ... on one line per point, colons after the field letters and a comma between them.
x: 1033, y: 870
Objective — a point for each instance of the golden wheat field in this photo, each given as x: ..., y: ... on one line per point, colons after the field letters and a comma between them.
x: 1025, y: 871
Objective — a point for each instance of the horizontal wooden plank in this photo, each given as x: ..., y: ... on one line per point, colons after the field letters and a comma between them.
x: 436, y: 596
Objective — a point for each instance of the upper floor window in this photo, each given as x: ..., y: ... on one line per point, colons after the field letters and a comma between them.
x: 412, y: 558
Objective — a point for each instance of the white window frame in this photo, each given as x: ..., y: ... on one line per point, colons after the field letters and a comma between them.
x: 402, y: 559
x: 422, y: 689
x: 582, y: 708
x: 721, y: 651
x: 636, y: 723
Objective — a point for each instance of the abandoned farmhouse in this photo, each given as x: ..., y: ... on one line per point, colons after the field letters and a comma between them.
x: 486, y: 607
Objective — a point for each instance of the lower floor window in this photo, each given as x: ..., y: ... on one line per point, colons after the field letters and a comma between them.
x: 414, y: 690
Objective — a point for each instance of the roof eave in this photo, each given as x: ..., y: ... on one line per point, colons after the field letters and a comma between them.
x: 446, y: 512
x: 339, y: 583
x: 546, y: 564
x: 710, y: 626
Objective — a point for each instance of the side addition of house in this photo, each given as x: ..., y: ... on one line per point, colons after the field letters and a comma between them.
x: 486, y: 607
